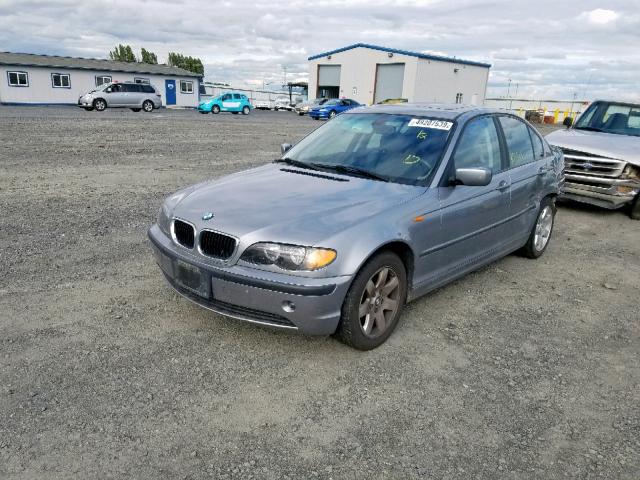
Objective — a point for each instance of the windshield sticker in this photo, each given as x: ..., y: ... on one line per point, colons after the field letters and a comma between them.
x: 430, y: 123
x: 411, y: 159
x: 422, y: 135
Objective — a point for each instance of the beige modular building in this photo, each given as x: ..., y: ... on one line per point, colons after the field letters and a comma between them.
x: 28, y: 79
x: 371, y: 74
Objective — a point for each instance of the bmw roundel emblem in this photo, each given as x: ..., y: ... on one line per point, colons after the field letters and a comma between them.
x: 207, y: 216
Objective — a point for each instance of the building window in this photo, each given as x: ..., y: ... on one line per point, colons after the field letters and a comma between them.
x: 186, y: 87
x: 60, y: 80
x: 102, y: 79
x: 18, y: 79
x: 141, y: 80
x: 458, y: 98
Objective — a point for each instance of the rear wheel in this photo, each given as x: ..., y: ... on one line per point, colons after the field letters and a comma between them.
x: 635, y: 208
x: 215, y: 109
x: 541, y: 232
x: 99, y: 104
x: 147, y: 106
x: 374, y: 302
x: 246, y: 110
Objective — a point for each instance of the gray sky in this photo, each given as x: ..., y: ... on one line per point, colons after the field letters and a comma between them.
x: 551, y: 49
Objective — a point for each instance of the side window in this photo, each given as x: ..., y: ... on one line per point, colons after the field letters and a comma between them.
x: 102, y: 79
x: 479, y: 146
x: 131, y: 88
x: 519, y: 144
x: 225, y: 97
x: 18, y: 79
x: 60, y: 80
x: 148, y: 89
x: 538, y: 147
x: 237, y: 96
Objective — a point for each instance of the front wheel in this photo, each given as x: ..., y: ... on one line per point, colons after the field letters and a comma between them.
x: 215, y: 109
x: 332, y: 114
x: 374, y: 302
x: 246, y: 110
x: 541, y: 232
x: 100, y: 105
x: 147, y: 106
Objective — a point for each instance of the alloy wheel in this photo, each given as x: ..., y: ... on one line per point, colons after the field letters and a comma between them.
x: 379, y: 302
x: 543, y: 228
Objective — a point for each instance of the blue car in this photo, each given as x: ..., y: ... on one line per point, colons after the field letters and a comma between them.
x: 227, y: 102
x: 332, y: 108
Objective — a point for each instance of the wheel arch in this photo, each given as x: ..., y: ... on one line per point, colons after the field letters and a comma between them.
x: 402, y: 249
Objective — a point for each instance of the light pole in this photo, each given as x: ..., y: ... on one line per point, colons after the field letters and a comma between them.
x: 509, y: 88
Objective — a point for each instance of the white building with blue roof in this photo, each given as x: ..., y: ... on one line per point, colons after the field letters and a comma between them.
x: 371, y: 74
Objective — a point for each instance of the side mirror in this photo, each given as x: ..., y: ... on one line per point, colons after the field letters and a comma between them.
x: 567, y: 122
x: 474, y: 177
x: 285, y: 147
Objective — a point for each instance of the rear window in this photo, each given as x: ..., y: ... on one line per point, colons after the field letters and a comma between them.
x: 148, y: 89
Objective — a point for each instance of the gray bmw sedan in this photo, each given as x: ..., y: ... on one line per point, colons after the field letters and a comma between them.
x: 373, y: 209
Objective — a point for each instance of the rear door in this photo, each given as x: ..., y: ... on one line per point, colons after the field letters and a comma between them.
x: 528, y: 167
x: 473, y: 219
x: 132, y: 94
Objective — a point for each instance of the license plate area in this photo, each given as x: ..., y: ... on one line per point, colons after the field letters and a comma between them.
x: 190, y: 277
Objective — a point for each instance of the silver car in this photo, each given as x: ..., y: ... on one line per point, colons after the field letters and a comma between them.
x: 602, y: 152
x: 372, y: 210
x: 136, y: 96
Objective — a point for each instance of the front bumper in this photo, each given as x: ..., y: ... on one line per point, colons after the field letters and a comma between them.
x: 204, y: 108
x: 602, y: 192
x: 253, y: 295
x: 85, y: 102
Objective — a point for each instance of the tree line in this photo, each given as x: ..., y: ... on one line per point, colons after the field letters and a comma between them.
x: 124, y: 53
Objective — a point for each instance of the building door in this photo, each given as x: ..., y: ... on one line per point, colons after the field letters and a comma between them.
x: 389, y: 80
x: 170, y: 91
x: 328, y: 81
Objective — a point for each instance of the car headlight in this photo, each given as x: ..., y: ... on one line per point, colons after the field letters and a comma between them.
x: 288, y: 257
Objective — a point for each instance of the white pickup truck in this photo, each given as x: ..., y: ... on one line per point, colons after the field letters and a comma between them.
x: 602, y: 156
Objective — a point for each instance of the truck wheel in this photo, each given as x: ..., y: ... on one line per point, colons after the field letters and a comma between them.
x: 215, y: 109
x: 541, y: 232
x: 99, y: 104
x: 374, y: 303
x: 635, y: 208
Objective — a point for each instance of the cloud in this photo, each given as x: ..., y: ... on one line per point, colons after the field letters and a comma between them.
x: 547, y: 48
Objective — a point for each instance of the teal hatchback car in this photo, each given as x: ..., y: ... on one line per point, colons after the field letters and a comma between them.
x: 227, y: 102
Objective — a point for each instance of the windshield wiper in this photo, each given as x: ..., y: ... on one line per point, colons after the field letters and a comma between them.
x: 296, y: 163
x: 352, y: 170
x: 591, y: 129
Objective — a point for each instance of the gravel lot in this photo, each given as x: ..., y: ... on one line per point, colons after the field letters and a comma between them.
x: 525, y: 369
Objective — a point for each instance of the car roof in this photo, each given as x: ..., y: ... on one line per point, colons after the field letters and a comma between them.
x: 448, y: 111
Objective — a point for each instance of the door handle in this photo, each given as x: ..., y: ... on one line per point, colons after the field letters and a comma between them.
x: 503, y: 185
x: 543, y: 170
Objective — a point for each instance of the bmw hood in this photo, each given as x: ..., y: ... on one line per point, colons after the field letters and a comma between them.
x: 281, y: 203
x: 621, y: 147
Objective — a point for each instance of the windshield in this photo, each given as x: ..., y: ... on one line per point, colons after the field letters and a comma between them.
x: 333, y: 101
x: 399, y: 148
x: 618, y: 118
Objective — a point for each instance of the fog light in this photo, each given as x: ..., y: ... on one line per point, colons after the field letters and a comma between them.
x: 288, y: 306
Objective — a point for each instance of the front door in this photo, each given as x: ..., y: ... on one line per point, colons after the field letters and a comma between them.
x: 170, y: 91
x: 473, y: 218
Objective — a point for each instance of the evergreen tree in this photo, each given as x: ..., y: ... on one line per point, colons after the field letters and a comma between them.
x: 148, y: 57
x: 123, y: 53
x: 191, y: 64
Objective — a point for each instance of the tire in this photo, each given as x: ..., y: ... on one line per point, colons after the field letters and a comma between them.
x: 246, y: 110
x: 99, y: 104
x: 301, y: 114
x: 541, y: 231
x: 364, y: 309
x: 635, y: 208
x: 88, y: 109
x: 215, y: 109
x: 135, y: 109
x: 147, y: 106
x: 332, y: 114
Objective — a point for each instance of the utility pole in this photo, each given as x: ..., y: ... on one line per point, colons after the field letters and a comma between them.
x: 509, y: 88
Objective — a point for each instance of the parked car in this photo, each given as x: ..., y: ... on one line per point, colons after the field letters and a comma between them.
x: 136, y: 96
x: 394, y: 101
x: 370, y: 211
x: 282, y: 103
x: 227, y: 102
x: 332, y: 107
x: 263, y: 105
x: 303, y: 108
x: 602, y: 152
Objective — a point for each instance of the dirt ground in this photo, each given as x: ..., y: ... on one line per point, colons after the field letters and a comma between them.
x: 525, y: 369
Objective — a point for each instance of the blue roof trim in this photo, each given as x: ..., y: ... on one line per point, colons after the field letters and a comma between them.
x: 402, y: 52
